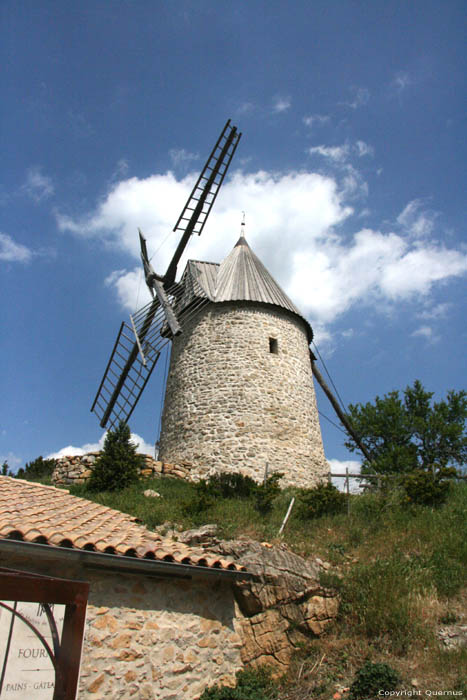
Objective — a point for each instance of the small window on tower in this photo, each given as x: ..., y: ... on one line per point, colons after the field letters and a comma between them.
x: 273, y: 346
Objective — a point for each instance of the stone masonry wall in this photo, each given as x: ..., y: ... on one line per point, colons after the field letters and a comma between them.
x: 158, y: 639
x: 150, y: 638
x: 77, y: 469
x: 232, y: 405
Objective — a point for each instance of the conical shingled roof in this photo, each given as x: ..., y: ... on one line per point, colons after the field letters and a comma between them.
x: 241, y: 277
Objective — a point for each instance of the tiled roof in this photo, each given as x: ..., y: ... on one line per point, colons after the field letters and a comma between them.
x: 32, y: 512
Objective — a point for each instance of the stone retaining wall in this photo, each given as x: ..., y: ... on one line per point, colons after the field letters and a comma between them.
x: 78, y: 468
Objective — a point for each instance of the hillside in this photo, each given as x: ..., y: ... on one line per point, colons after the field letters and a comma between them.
x: 399, y: 568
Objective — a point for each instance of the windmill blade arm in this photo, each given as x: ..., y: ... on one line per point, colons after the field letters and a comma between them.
x: 204, y: 193
x: 165, y: 303
x: 154, y: 283
x: 149, y: 273
x: 340, y: 414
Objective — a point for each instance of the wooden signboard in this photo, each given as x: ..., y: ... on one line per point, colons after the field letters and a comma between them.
x: 27, y: 670
x: 41, y: 634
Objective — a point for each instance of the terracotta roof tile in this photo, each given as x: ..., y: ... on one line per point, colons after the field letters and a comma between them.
x: 36, y: 513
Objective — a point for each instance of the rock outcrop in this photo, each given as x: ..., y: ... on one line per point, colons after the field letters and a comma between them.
x: 453, y: 636
x: 282, y: 606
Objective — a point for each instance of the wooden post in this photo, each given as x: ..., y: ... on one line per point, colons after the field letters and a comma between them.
x: 287, y: 515
x: 344, y: 420
x: 347, y: 488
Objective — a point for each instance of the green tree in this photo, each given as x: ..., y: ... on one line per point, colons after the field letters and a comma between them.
x: 39, y: 468
x: 118, y: 464
x: 412, y: 432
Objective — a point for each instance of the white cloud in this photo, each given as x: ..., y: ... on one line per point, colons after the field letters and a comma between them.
x: 339, y: 467
x: 361, y: 97
x: 179, y: 156
x: 340, y: 154
x: 438, y: 311
x: 37, y: 185
x: 13, y: 252
x: 292, y: 223
x: 245, y: 108
x: 416, y: 221
x: 281, y: 104
x: 352, y: 184
x: 70, y: 451
x: 335, y: 153
x: 121, y: 169
x: 348, y: 333
x: 313, y: 119
x: 401, y: 81
x: 427, y: 333
x: 415, y: 271
x: 363, y: 149
x: 130, y: 287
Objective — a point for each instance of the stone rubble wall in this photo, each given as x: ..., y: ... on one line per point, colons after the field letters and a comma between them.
x: 233, y: 405
x: 78, y: 468
x: 158, y: 639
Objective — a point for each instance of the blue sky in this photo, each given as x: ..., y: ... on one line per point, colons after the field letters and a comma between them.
x: 351, y: 171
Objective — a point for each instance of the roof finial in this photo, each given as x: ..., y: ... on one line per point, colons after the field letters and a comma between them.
x: 242, y: 239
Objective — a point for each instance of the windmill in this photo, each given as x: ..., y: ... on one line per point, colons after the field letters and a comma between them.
x: 240, y: 392
x: 139, y: 344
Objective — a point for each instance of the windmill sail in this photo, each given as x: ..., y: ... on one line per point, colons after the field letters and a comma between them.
x: 139, y: 346
x: 134, y: 356
x: 137, y: 350
x: 204, y: 193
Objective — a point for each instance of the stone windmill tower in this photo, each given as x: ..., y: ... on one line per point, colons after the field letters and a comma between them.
x: 239, y: 392
x: 240, y: 389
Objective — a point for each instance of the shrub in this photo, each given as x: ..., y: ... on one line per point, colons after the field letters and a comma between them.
x: 251, y: 684
x: 230, y: 485
x: 37, y: 469
x: 265, y: 494
x: 6, y: 471
x: 118, y: 464
x: 372, y: 679
x: 324, y: 499
x: 425, y: 488
x: 202, y: 499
